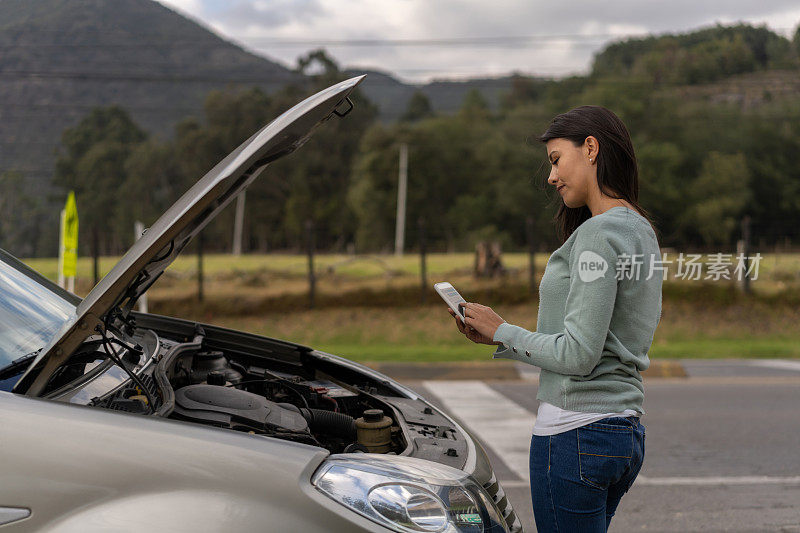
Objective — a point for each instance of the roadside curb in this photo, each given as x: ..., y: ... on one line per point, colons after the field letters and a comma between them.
x: 665, y: 368
x: 495, y: 370
x: 481, y: 370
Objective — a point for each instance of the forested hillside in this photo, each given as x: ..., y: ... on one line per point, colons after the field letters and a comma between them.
x: 701, y: 56
x: 715, y: 118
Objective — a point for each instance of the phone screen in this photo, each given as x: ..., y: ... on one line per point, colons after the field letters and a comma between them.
x: 451, y: 296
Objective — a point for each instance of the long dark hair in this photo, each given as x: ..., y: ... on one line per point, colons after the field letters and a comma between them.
x: 617, y: 171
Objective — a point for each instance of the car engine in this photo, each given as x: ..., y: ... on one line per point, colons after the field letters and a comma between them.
x: 214, y: 388
x: 211, y: 389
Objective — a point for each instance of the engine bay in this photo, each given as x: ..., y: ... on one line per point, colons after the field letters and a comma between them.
x: 270, y: 388
x: 212, y: 389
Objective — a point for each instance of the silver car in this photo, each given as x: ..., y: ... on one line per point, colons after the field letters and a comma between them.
x: 114, y: 420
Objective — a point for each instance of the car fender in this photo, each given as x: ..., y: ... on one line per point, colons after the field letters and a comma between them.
x: 80, y: 468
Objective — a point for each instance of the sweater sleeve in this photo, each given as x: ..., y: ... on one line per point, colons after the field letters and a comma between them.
x: 589, y: 306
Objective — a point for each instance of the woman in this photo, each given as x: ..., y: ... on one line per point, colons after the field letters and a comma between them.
x: 599, y: 305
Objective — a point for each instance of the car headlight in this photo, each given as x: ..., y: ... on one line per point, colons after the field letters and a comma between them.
x: 409, y: 495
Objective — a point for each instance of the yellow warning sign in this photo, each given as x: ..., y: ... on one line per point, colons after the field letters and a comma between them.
x: 69, y: 237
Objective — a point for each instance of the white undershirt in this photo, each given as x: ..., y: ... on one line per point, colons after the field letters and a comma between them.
x: 552, y: 419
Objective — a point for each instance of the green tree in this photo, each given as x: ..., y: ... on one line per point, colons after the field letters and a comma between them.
x: 419, y: 107
x: 524, y: 90
x: 475, y: 105
x: 91, y: 162
x: 662, y: 185
x: 718, y: 197
x: 465, y: 178
x: 372, y: 195
x: 152, y: 183
x: 695, y: 57
x: 796, y: 41
x: 196, y: 149
x: 102, y: 172
x: 20, y: 224
x: 315, y: 184
x: 235, y: 116
x: 102, y: 124
x: 320, y: 67
x: 773, y: 142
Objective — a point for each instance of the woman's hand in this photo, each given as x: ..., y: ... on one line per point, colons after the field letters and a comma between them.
x: 479, y: 320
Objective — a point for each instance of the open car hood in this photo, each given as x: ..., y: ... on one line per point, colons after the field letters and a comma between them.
x: 147, y: 259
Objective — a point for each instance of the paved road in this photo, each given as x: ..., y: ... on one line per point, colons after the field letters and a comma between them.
x: 722, y: 453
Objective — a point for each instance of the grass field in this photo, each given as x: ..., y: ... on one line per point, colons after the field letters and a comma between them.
x: 429, y: 333
x: 776, y: 271
x: 368, y: 308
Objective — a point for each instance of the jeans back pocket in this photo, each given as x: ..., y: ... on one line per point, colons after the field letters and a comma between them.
x: 604, y: 453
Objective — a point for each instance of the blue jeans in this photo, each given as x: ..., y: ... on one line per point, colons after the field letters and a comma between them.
x: 578, y: 477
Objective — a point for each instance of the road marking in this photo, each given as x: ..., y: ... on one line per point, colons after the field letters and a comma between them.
x: 718, y: 480
x: 777, y: 363
x: 514, y: 483
x: 745, y: 381
x: 674, y: 481
x: 499, y: 422
x: 506, y: 427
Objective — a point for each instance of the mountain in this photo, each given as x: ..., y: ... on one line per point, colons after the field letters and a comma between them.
x: 60, y: 58
x: 392, y: 95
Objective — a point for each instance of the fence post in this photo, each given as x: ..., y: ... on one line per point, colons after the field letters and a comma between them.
x: 200, y: 245
x: 422, y: 266
x: 743, y: 247
x: 311, y: 277
x: 96, y: 254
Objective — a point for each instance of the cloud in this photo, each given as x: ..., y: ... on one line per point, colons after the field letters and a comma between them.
x: 572, y: 32
x: 268, y: 15
x: 189, y: 7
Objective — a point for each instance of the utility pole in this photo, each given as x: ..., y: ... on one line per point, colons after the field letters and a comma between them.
x: 238, y: 225
x: 402, y: 185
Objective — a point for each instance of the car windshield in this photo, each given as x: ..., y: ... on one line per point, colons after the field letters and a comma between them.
x: 30, y: 312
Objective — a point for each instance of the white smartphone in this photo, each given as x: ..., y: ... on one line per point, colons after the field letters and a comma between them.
x: 450, y: 295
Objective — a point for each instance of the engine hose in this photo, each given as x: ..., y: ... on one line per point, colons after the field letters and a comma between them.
x: 330, y: 423
x: 160, y: 373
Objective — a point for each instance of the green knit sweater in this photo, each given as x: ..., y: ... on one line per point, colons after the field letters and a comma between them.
x: 598, y: 314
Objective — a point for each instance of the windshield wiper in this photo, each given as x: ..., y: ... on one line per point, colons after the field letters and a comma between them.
x: 26, y: 357
x: 15, y: 365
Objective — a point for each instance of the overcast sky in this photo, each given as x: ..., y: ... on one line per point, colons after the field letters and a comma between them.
x: 418, y: 40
